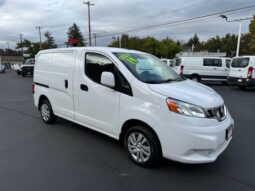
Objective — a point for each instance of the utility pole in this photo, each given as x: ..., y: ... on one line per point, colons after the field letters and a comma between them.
x: 40, y: 36
x: 120, y: 38
x: 89, y: 4
x: 240, y: 30
x: 95, y: 38
x: 21, y: 43
x: 8, y: 45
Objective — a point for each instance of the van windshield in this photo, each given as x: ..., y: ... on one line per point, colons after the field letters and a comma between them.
x: 147, y: 68
x: 29, y: 62
x: 240, y: 62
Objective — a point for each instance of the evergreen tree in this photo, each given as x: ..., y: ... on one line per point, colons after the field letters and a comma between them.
x: 75, y: 33
x: 252, y: 35
x: 49, y: 42
x: 194, y: 41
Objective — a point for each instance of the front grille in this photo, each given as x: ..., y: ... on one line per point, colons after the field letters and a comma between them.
x: 218, y: 112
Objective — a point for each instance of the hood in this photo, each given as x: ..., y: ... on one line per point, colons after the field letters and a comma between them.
x: 190, y: 92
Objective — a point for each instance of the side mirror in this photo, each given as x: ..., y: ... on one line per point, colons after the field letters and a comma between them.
x: 107, y: 79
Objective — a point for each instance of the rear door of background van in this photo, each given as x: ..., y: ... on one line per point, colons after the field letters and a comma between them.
x: 239, y: 67
x: 61, y: 83
x: 227, y: 62
x: 177, y: 64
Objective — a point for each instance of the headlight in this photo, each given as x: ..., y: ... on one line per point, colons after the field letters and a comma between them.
x: 185, y: 108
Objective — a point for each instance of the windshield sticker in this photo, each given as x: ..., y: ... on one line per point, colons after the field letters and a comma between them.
x: 128, y: 58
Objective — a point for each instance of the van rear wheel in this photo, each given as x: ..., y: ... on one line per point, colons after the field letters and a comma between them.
x: 195, y: 78
x: 142, y: 146
x: 47, y: 112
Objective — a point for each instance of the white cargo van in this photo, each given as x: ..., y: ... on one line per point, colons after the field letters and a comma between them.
x: 203, y: 68
x: 242, y: 71
x: 133, y: 97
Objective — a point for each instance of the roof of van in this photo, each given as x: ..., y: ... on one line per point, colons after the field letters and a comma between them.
x: 201, y: 57
x: 245, y: 56
x: 100, y: 49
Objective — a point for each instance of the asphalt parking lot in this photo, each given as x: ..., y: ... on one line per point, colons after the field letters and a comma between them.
x: 65, y: 156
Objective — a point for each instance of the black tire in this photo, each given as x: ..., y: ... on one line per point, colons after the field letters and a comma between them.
x: 45, y: 106
x: 151, y: 141
x: 195, y: 78
x: 18, y: 72
x: 4, y: 71
x: 23, y: 74
x: 242, y: 87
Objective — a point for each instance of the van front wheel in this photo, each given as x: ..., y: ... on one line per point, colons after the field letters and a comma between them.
x: 195, y: 78
x: 47, y: 112
x: 142, y: 146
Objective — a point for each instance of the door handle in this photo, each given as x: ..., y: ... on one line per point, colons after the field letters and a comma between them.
x: 66, y: 84
x: 215, y: 68
x: 84, y: 87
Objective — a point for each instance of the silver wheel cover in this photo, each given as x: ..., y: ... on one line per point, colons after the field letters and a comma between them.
x: 45, y: 112
x: 139, y: 147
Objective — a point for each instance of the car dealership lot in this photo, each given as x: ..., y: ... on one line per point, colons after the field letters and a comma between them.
x: 66, y: 156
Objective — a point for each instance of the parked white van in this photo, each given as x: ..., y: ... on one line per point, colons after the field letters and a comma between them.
x: 133, y: 97
x: 242, y: 71
x: 203, y: 68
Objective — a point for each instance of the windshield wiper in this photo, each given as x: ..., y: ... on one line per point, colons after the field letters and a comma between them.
x: 168, y: 80
x: 152, y: 82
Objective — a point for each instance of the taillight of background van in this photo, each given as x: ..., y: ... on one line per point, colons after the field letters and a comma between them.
x: 250, y: 71
x: 181, y: 69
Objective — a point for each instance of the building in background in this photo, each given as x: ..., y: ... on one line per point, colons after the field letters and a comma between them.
x: 10, y: 61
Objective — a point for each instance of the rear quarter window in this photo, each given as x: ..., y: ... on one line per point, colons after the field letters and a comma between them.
x: 240, y: 62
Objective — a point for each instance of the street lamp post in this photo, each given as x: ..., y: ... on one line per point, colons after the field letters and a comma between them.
x: 240, y: 30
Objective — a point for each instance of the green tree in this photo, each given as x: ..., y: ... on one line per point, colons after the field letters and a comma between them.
x: 228, y: 44
x: 194, y: 41
x: 30, y: 48
x: 252, y: 35
x: 213, y: 44
x: 49, y: 42
x: 74, y: 32
x: 150, y: 45
x: 168, y: 48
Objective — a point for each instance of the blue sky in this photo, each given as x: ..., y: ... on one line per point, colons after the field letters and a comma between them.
x: 22, y: 16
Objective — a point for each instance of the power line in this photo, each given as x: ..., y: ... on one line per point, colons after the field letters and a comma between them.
x: 162, y: 25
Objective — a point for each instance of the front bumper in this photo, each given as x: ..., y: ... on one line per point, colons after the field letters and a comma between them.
x: 27, y: 70
x: 242, y: 81
x: 195, y: 142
